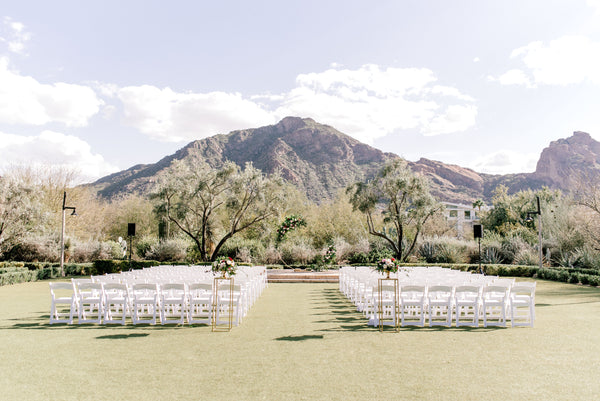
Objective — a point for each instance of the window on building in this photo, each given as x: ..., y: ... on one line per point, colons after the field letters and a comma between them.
x: 454, y: 213
x: 467, y: 215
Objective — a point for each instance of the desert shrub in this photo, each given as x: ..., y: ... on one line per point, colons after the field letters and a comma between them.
x: 428, y: 251
x: 491, y: 255
x: 511, y: 247
x: 588, y: 258
x: 92, y: 250
x: 36, y: 248
x: 565, y: 258
x: 143, y: 245
x: 246, y: 250
x: 357, y: 253
x: 272, y: 255
x: 174, y: 249
x: 297, y: 250
x: 527, y: 256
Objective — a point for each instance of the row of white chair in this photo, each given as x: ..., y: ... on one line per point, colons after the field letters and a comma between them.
x: 108, y: 299
x: 463, y: 299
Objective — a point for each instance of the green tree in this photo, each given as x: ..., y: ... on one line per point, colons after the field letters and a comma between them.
x: 404, y: 200
x: 212, y: 205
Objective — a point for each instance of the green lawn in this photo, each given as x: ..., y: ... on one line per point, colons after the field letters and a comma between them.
x: 301, y: 341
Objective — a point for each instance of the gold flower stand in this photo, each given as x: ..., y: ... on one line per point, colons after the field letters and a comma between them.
x: 221, y: 284
x: 387, y: 309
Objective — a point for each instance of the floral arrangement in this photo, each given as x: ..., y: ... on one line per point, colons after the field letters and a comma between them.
x: 224, y: 265
x: 329, y: 256
x: 290, y: 223
x: 387, y: 265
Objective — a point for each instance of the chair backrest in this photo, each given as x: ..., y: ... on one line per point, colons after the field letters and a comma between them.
x: 495, y: 291
x: 412, y: 291
x: 526, y: 288
x: 145, y: 289
x: 439, y: 292
x: 115, y: 288
x: 466, y: 291
x: 61, y: 289
x: 172, y: 286
x: 85, y: 286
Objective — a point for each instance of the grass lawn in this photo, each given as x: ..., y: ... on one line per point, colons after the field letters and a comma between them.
x: 301, y: 342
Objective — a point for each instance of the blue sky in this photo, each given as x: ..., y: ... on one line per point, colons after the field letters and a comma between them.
x: 102, y: 86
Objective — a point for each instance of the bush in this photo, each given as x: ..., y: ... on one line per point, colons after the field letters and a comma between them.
x: 297, y: 252
x: 34, y: 249
x: 528, y: 257
x: 584, y: 278
x: 358, y: 258
x: 491, y: 255
x: 168, y: 250
x: 574, y: 278
x: 594, y: 281
x: 247, y: 250
x: 144, y: 245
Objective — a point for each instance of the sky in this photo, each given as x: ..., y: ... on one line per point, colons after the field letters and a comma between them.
x: 102, y: 86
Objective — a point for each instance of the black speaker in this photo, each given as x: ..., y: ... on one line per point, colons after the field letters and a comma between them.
x: 131, y: 229
x: 477, y: 231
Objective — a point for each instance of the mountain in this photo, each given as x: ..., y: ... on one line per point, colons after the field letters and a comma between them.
x: 317, y: 158
x: 321, y: 161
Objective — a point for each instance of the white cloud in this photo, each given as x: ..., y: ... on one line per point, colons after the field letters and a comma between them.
x: 456, y: 118
x: 24, y: 100
x: 365, y: 103
x: 53, y: 148
x: 564, y: 61
x: 476, y: 59
x: 369, y: 102
x: 15, y: 36
x: 595, y: 4
x: 170, y: 116
x: 513, y: 77
x: 505, y: 162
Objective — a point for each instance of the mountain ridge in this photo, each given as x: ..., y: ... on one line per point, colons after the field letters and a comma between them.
x: 321, y: 160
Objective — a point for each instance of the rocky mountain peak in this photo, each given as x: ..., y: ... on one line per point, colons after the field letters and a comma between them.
x: 563, y: 162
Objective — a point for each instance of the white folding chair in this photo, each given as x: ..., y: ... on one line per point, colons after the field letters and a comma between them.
x: 522, y: 304
x: 439, y: 305
x: 494, y: 299
x: 145, y: 303
x: 412, y: 305
x: 90, y: 302
x: 116, y: 303
x: 63, y: 305
x: 172, y: 303
x: 466, y: 302
x: 200, y: 303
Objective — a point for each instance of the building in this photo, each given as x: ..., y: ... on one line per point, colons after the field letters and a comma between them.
x: 462, y: 216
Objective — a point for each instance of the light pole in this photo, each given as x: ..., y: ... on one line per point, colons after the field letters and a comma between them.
x: 62, y: 235
x: 529, y: 218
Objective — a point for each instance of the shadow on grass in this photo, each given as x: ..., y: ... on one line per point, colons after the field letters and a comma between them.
x: 42, y: 323
x: 300, y: 338
x: 567, y: 303
x: 122, y: 336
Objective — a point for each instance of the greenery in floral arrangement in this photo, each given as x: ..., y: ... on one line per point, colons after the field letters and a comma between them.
x: 225, y: 266
x: 387, y: 265
x: 290, y: 223
x: 330, y: 255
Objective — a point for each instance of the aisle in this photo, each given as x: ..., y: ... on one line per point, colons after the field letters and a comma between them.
x: 296, y: 312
